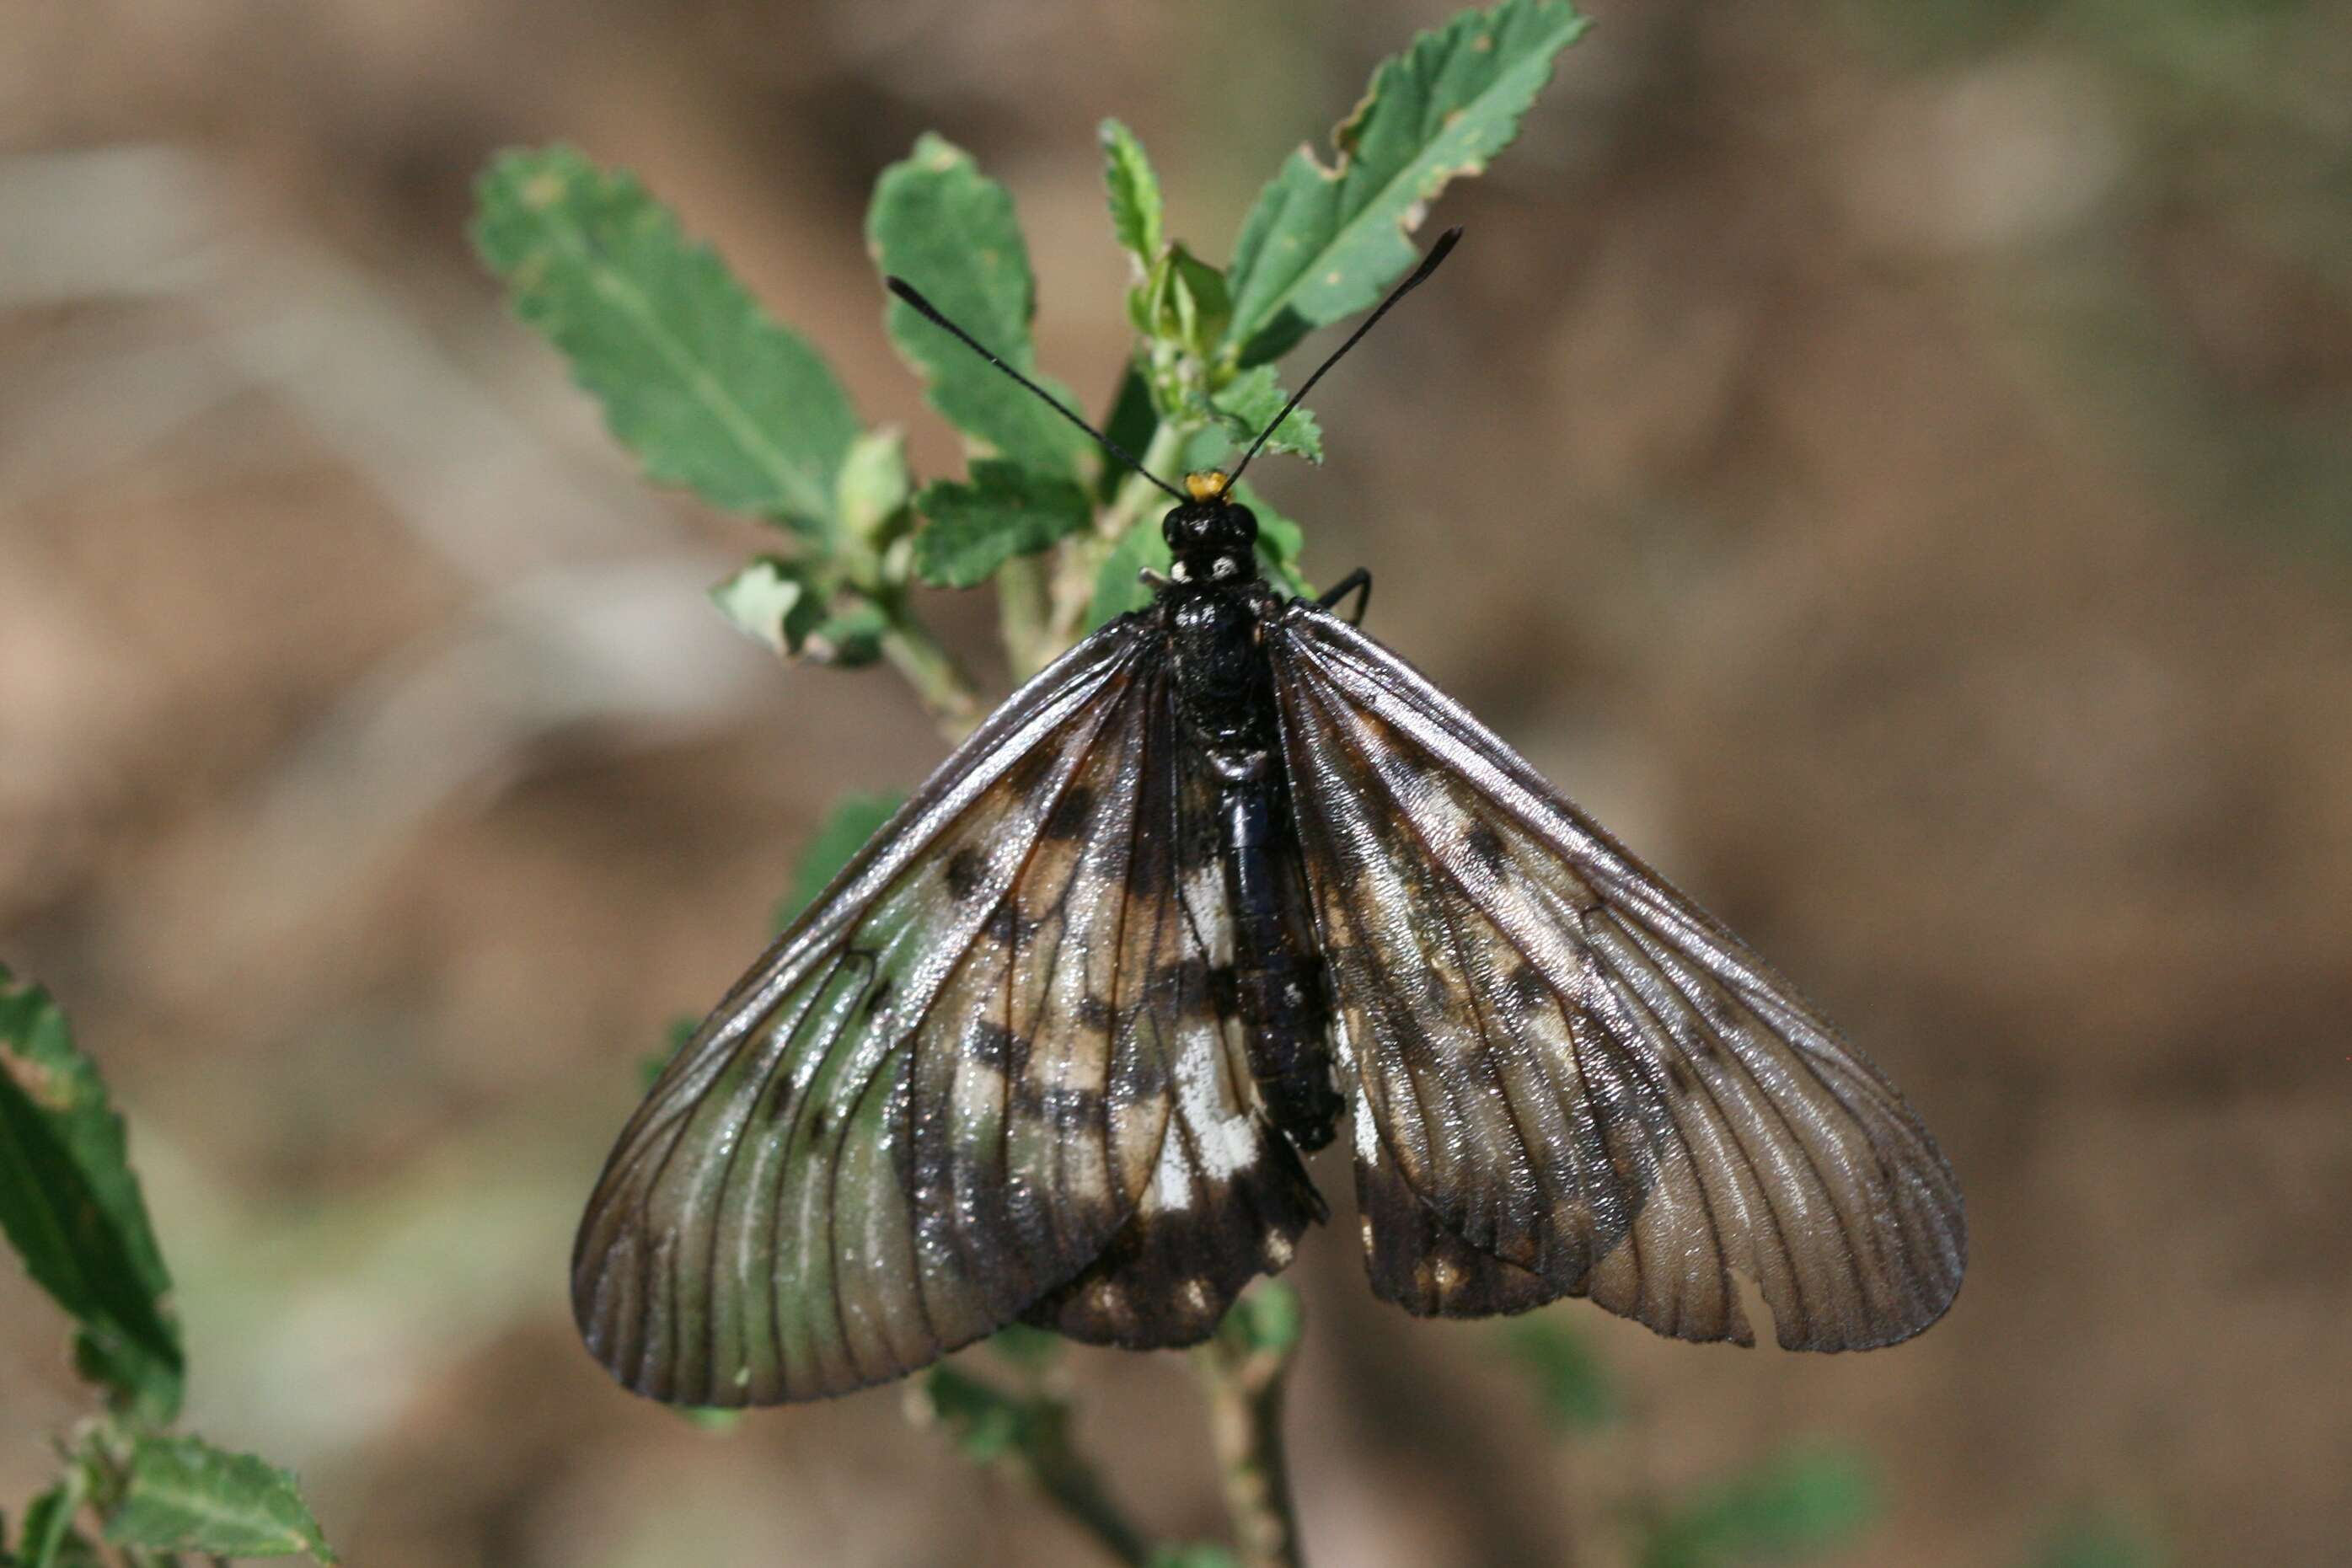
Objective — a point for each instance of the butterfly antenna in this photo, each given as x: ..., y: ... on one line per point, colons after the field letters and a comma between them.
x: 931, y: 312
x: 1437, y: 252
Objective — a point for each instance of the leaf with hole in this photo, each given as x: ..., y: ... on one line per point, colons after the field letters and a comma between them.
x: 1324, y: 241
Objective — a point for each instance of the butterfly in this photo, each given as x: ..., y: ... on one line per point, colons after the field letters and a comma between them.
x: 1052, y: 1048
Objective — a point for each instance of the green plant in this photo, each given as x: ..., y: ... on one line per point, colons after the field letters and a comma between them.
x: 71, y: 1204
x: 713, y: 394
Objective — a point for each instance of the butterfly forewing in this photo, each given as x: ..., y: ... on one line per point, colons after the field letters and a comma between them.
x: 938, y: 1097
x: 984, y: 1076
x: 1568, y: 1080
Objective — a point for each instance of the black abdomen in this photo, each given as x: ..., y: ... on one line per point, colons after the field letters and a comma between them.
x: 1277, y: 982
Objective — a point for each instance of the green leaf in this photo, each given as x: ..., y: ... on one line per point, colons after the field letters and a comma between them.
x: 1132, y: 422
x: 1005, y: 511
x: 871, y: 496
x: 853, y: 820
x: 1136, y: 213
x: 1279, y: 540
x: 849, y: 639
x: 1252, y: 400
x: 70, y: 1205
x: 2098, y: 1542
x: 1575, y: 1388
x: 1324, y: 243
x: 1184, y: 303
x: 1197, y: 1554
x: 1798, y: 1505
x: 1025, y: 1346
x: 949, y: 230
x: 50, y: 1539
x: 773, y: 601
x: 1268, y: 1318
x: 681, y: 1029
x: 986, y: 1422
x: 716, y: 1421
x: 1118, y: 584
x: 184, y: 1495
x: 696, y: 379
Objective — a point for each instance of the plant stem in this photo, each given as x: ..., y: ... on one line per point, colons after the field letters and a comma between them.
x: 1245, y: 1384
x: 1024, y: 616
x: 1072, y: 1485
x: 933, y: 672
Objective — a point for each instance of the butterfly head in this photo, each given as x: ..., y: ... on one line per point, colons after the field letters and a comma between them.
x: 1212, y: 535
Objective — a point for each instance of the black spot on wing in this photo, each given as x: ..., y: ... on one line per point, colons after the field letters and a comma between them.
x: 1483, y: 845
x: 1073, y: 815
x: 965, y: 873
x: 996, y: 1048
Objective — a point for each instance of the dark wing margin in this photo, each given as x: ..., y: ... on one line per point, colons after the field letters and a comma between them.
x: 939, y: 1096
x: 1568, y: 1080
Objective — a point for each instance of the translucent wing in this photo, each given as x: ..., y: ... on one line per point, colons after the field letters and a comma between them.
x: 942, y: 1094
x: 1228, y: 1198
x: 1568, y: 1080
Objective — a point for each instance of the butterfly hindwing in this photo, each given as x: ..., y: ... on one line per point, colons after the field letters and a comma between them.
x: 1228, y: 1199
x: 1567, y: 1079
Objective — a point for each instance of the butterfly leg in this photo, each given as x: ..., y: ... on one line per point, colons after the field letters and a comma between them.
x: 1357, y: 582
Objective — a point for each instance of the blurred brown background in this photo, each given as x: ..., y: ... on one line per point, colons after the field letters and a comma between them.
x: 1892, y: 460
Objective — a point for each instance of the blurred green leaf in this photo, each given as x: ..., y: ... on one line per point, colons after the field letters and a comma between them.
x: 1279, y: 540
x: 1575, y: 1388
x: 775, y: 600
x: 1252, y: 399
x: 1267, y: 1317
x: 1006, y: 510
x: 1131, y: 424
x: 1322, y: 244
x: 1795, y: 1505
x: 70, y: 1205
x: 2097, y: 1542
x: 853, y: 820
x: 1199, y: 1554
x: 1025, y: 1346
x: 1135, y: 205
x: 985, y: 1422
x: 1118, y: 584
x: 50, y: 1539
x: 872, y: 493
x: 681, y: 1029
x: 850, y: 639
x: 1184, y: 302
x: 711, y: 1418
x: 696, y: 379
x: 184, y: 1495
x: 949, y: 230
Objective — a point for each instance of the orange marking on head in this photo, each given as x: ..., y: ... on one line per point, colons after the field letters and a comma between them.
x: 1206, y: 485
